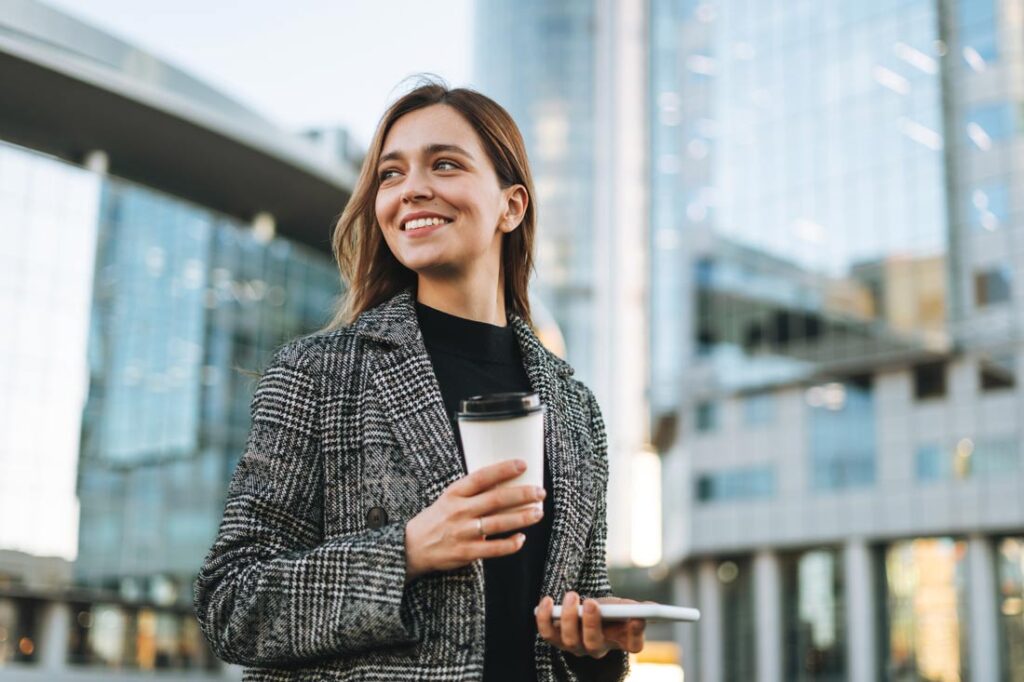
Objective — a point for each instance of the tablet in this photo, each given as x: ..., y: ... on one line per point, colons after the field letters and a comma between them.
x: 655, y: 612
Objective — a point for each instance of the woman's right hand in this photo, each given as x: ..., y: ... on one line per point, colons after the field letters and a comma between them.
x: 447, y: 535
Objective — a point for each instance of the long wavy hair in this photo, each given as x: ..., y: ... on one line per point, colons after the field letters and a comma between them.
x: 370, y: 272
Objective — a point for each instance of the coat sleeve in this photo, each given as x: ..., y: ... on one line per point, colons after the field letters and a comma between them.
x: 272, y: 591
x: 593, y: 580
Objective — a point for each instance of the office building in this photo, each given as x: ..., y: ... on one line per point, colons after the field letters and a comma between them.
x: 159, y: 240
x: 571, y: 73
x: 836, y: 347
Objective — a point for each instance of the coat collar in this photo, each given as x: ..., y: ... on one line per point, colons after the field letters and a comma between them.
x: 394, y: 323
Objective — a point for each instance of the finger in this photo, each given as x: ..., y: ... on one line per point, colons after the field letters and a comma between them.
x: 489, y: 549
x: 545, y: 626
x: 593, y: 635
x: 569, y: 625
x: 487, y: 477
x: 504, y: 499
x: 635, y: 630
x: 502, y: 523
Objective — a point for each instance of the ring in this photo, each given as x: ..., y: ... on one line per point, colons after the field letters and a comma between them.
x: 480, y: 526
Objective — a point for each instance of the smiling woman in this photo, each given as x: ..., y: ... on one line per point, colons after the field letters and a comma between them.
x: 354, y: 544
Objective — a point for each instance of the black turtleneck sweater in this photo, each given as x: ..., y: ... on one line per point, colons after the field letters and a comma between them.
x: 474, y: 358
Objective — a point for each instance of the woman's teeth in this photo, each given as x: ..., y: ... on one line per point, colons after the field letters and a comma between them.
x: 424, y: 222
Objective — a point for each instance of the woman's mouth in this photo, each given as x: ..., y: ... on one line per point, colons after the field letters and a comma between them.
x: 422, y: 226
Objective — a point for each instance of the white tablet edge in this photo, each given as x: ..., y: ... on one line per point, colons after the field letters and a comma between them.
x: 648, y: 611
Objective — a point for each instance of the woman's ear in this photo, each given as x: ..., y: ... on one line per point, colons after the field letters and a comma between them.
x: 516, y: 201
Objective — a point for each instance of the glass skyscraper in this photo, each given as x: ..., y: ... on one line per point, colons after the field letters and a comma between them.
x: 537, y: 59
x: 835, y: 333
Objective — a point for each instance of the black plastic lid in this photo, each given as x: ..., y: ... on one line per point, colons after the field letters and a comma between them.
x: 498, y: 405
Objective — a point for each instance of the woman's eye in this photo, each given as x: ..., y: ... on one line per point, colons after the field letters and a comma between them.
x: 386, y: 174
x: 446, y: 162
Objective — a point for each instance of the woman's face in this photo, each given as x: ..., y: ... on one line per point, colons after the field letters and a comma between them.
x: 439, y: 203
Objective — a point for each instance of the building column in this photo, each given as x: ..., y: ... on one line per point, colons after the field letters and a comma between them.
x: 860, y: 611
x: 768, y: 614
x: 684, y: 593
x: 982, y: 625
x: 711, y: 649
x: 54, y: 635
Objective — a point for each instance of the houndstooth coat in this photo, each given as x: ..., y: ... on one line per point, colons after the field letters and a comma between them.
x: 305, y: 582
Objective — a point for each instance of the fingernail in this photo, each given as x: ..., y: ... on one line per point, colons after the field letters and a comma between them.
x: 520, y: 465
x: 536, y: 513
x: 540, y: 493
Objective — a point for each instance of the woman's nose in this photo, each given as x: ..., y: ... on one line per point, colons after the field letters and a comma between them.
x: 416, y: 187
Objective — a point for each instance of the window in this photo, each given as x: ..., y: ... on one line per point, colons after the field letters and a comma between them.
x: 988, y: 206
x: 994, y: 456
x: 932, y: 463
x: 707, y: 417
x: 968, y: 459
x: 841, y: 433
x: 924, y: 583
x: 997, y: 373
x: 738, y: 484
x: 990, y: 122
x: 1010, y: 559
x: 812, y: 608
x: 977, y: 26
x: 930, y: 380
x: 992, y: 287
x: 736, y: 580
x: 20, y: 640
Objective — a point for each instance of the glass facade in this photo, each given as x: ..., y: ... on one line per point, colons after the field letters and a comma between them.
x: 814, y: 617
x: 924, y: 630
x: 797, y: 165
x: 187, y: 304
x: 554, y: 53
x: 736, y: 577
x: 18, y: 631
x: 841, y: 435
x: 738, y: 484
x: 47, y: 241
x: 138, y: 322
x: 1010, y: 575
x: 835, y: 217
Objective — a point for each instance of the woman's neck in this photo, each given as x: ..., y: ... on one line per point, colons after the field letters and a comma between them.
x: 480, y: 303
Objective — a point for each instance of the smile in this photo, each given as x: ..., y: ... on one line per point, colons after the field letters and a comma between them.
x: 420, y: 223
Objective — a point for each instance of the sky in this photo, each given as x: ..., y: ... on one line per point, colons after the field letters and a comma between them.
x: 316, y: 63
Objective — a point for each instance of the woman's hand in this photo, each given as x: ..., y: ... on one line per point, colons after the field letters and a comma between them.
x: 451, y: 532
x: 593, y: 637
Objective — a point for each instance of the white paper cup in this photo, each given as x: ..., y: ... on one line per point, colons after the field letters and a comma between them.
x: 504, y: 426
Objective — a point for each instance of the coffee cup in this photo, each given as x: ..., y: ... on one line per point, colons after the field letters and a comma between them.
x: 503, y: 426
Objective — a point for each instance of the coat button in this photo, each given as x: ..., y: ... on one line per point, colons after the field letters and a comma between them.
x: 376, y: 517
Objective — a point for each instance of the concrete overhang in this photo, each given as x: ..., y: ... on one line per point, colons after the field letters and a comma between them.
x: 67, y: 103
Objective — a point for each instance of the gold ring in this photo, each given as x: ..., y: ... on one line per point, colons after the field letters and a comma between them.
x: 480, y: 526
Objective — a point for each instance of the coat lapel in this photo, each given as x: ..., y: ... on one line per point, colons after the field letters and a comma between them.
x: 571, y: 476
x: 407, y: 388
x: 404, y: 379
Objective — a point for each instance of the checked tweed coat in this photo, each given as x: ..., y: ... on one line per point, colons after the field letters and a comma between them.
x: 301, y: 585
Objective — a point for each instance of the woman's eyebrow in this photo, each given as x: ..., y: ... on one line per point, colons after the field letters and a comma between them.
x: 429, y: 149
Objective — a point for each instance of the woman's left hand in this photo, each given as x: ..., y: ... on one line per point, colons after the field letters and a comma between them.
x: 592, y: 637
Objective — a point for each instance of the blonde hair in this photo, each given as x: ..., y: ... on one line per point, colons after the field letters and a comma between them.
x: 369, y: 270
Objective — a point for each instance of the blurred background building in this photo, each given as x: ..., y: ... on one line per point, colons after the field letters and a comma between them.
x: 159, y: 241
x: 836, y: 339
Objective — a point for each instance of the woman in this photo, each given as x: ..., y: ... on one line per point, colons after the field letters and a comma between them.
x: 353, y: 546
